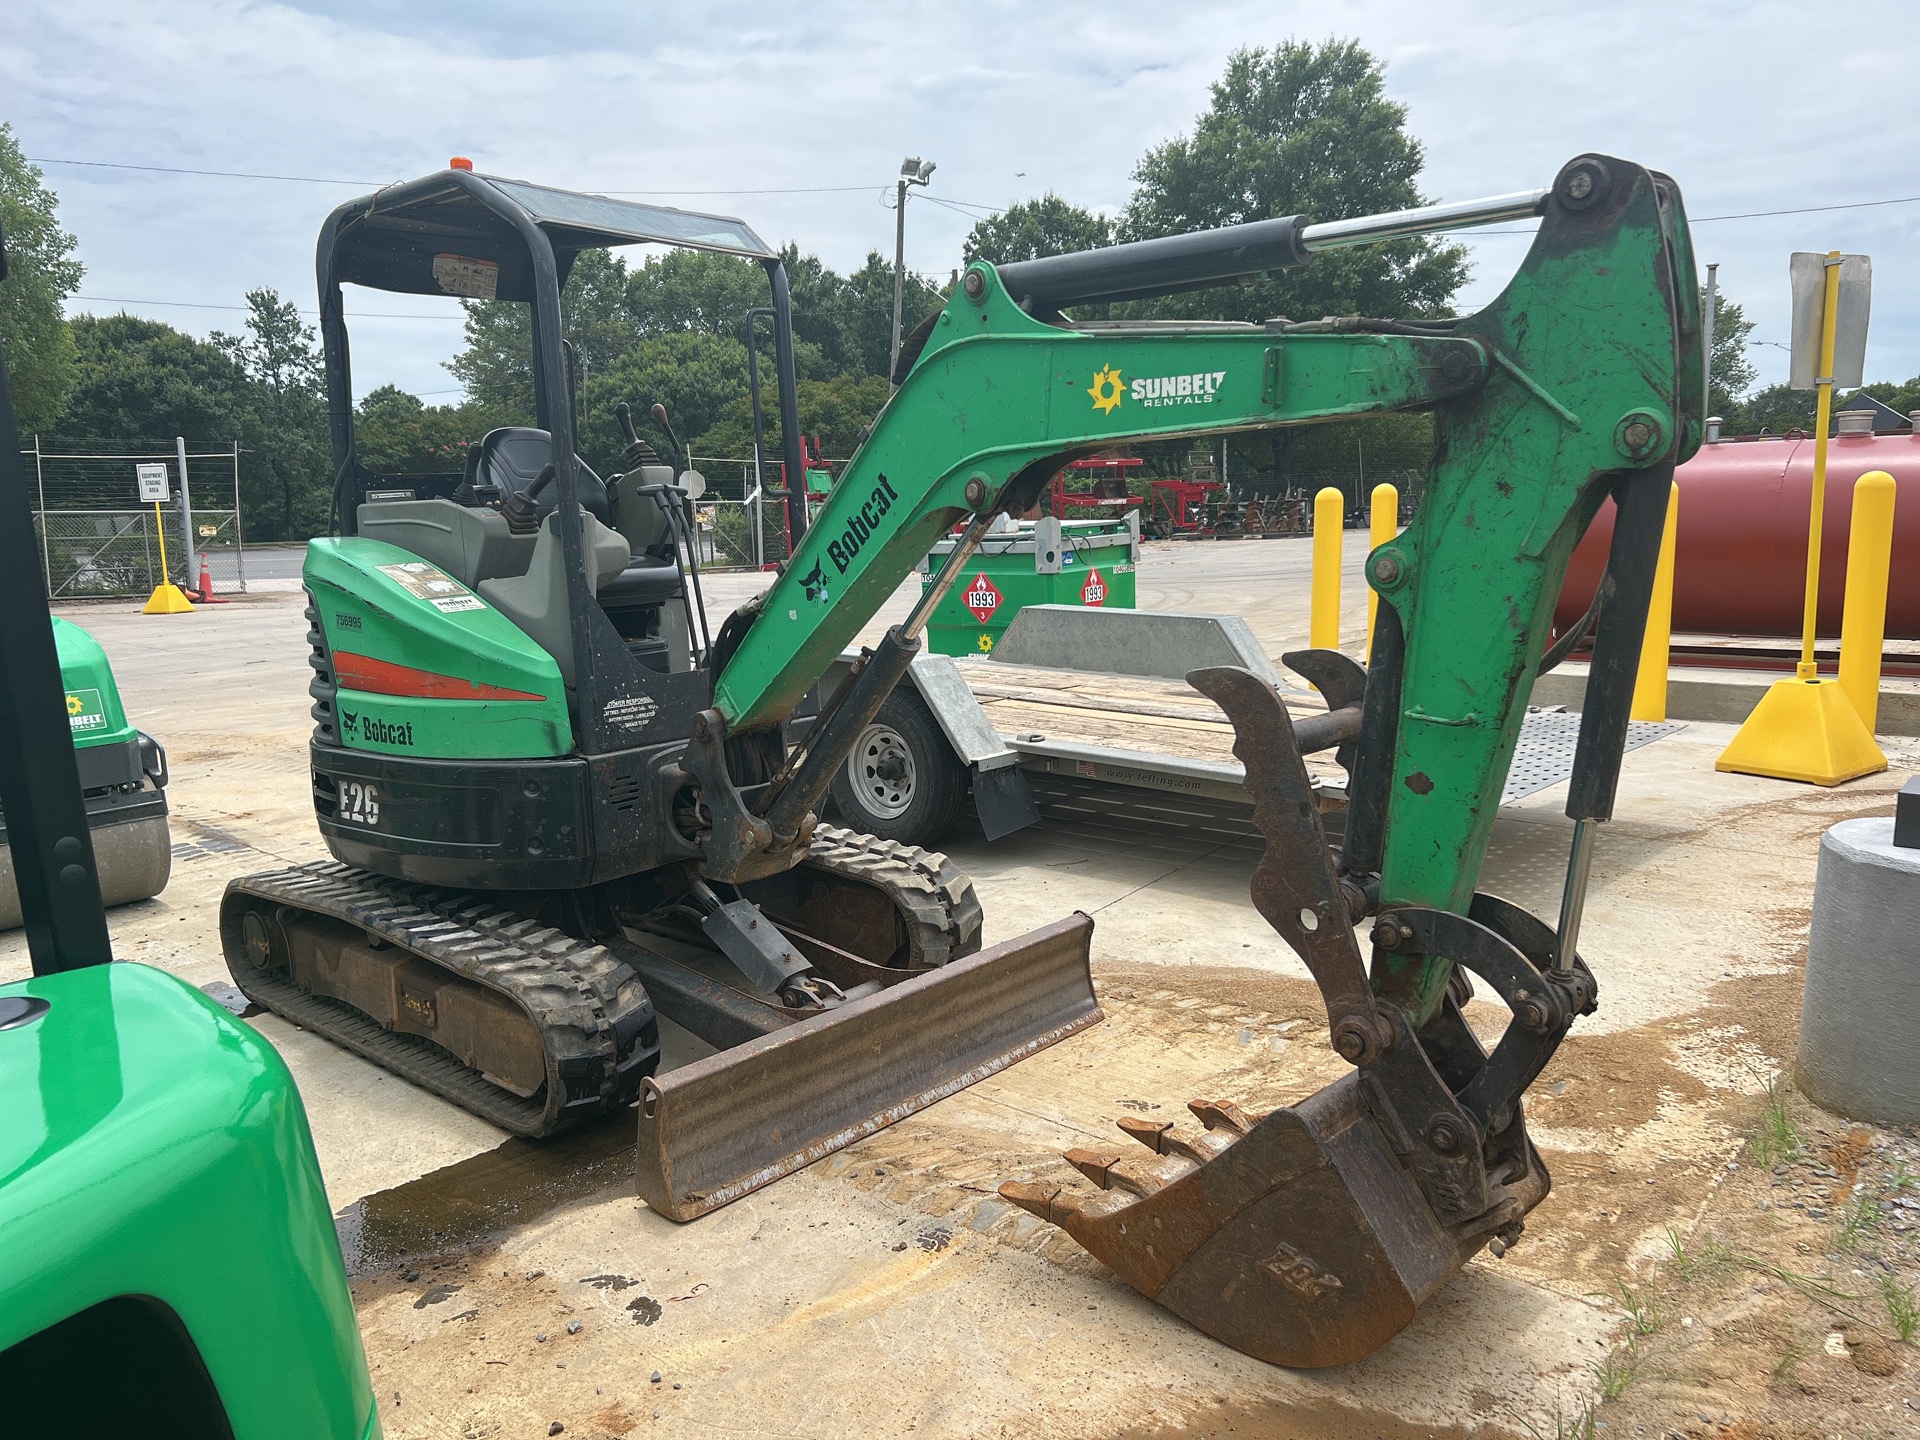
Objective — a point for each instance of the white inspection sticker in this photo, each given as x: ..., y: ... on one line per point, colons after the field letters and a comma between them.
x: 433, y: 585
x: 464, y: 275
x: 631, y: 712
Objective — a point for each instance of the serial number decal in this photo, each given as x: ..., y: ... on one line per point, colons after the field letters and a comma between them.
x: 359, y: 803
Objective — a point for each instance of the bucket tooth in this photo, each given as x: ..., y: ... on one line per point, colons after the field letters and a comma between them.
x: 1220, y: 1115
x: 1163, y: 1138
x: 1135, y: 1174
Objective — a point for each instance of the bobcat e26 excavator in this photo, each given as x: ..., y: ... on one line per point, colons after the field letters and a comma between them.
x: 556, y: 807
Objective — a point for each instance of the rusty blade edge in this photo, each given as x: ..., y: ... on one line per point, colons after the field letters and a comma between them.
x: 713, y: 1108
x: 700, y: 1204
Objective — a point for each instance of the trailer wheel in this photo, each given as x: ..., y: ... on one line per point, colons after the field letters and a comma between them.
x: 902, y: 780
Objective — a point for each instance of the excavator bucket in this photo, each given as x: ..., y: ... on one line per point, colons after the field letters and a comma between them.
x: 1309, y: 1236
x: 799, y: 1090
x: 1299, y: 1238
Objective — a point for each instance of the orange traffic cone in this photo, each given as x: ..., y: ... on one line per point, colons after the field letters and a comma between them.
x: 207, y: 597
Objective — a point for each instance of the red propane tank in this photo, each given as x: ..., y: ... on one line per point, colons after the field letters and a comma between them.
x: 1740, y: 552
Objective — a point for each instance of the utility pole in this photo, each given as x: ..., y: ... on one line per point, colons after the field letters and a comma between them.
x: 1712, y: 304
x: 913, y: 171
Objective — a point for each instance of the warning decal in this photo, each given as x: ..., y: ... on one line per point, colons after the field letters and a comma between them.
x: 463, y: 275
x: 1094, y: 592
x: 981, y: 598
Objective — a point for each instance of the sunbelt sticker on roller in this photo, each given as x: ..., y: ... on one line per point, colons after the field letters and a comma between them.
x: 85, y: 713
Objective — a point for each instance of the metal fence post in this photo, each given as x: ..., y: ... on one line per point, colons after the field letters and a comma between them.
x: 239, y: 535
x: 186, y: 517
x: 46, y: 547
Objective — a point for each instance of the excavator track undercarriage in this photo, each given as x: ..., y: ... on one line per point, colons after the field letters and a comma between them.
x: 533, y: 1028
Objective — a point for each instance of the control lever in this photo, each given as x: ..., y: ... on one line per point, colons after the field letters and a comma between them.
x: 660, y: 419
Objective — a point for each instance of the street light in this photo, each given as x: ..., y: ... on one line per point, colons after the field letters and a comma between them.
x: 913, y: 171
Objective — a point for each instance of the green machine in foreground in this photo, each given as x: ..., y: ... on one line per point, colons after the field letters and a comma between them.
x: 123, y: 772
x: 558, y: 802
x: 168, y: 1263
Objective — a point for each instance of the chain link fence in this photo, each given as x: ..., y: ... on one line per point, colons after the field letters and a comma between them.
x: 98, y: 540
x: 743, y: 526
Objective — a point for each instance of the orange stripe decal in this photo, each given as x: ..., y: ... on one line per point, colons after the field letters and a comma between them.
x: 383, y: 677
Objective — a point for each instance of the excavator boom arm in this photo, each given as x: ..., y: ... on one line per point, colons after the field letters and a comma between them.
x: 1585, y: 370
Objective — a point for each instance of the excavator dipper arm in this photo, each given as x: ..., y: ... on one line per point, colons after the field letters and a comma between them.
x: 1308, y: 1236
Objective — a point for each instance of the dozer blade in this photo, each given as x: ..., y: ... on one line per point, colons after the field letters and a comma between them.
x: 724, y: 1126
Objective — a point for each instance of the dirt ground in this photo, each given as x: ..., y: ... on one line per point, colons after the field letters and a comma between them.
x: 1716, y: 1258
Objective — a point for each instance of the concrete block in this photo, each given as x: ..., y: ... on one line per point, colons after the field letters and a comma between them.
x: 1722, y: 696
x: 1165, y: 644
x: 1861, y: 1012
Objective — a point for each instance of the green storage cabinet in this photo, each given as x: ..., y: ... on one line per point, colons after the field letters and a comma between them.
x: 1031, y: 562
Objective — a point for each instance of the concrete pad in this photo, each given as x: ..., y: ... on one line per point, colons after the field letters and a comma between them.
x: 888, y: 1288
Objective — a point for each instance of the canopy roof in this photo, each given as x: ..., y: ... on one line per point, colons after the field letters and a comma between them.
x: 458, y: 233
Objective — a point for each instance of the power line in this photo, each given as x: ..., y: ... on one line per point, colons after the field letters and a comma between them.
x: 1743, y: 215
x: 200, y: 305
x: 179, y: 170
x: 376, y: 184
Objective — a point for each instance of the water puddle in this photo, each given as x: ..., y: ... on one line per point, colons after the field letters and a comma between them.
x: 467, y: 1204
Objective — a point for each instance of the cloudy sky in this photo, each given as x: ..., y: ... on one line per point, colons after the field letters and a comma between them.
x: 799, y: 115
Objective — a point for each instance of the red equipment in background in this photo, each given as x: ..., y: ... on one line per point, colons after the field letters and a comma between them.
x: 1180, y: 506
x: 1741, y: 544
x: 1109, y: 485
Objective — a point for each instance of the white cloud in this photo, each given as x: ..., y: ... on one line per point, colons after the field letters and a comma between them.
x: 1750, y: 107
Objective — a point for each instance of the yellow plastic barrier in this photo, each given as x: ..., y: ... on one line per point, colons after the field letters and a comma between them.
x: 1329, y: 521
x: 1863, y: 624
x: 1385, y: 525
x: 1806, y: 728
x: 167, y: 598
x: 1650, y: 685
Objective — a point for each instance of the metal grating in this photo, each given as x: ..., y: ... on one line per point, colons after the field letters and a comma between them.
x: 1548, y: 738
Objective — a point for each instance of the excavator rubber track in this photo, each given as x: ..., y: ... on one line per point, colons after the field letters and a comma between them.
x: 933, y: 900
x: 590, y: 1016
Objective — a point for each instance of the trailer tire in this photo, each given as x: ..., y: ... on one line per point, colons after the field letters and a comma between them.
x: 902, y: 780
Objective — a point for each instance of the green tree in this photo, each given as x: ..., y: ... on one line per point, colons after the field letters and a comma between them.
x: 1302, y: 129
x: 282, y: 363
x: 396, y: 433
x: 140, y: 380
x: 1033, y: 228
x: 835, y: 410
x: 42, y: 361
x: 1731, y: 373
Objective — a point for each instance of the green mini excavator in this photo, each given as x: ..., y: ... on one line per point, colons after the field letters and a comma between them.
x: 559, y: 802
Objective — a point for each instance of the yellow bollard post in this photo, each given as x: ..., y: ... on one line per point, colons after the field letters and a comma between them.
x: 1806, y: 728
x: 1863, y: 624
x: 1386, y: 525
x: 1329, y: 520
x: 1650, y: 685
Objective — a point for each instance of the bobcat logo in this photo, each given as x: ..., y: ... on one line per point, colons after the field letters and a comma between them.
x: 816, y: 582
x: 349, y: 722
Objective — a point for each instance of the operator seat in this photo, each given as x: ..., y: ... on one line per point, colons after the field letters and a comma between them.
x: 511, y: 459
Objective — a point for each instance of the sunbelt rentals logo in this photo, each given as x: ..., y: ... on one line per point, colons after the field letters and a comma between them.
x: 1110, y: 388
